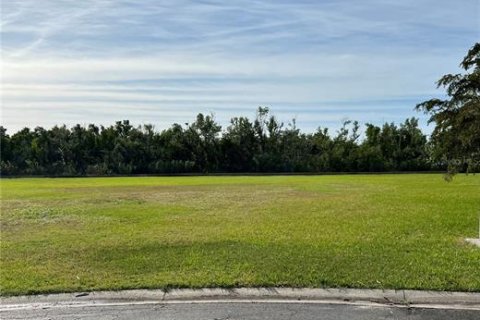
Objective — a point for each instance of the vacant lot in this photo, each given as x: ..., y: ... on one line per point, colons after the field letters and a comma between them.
x: 370, y: 231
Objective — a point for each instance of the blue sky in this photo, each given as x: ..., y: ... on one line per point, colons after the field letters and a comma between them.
x: 160, y: 62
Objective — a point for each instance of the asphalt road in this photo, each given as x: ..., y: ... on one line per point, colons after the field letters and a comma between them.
x: 217, y: 310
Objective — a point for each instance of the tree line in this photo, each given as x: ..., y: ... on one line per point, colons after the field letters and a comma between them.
x: 263, y: 144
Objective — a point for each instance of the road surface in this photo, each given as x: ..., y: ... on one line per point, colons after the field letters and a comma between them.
x: 229, y: 310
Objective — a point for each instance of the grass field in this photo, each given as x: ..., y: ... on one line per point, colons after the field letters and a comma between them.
x: 365, y: 231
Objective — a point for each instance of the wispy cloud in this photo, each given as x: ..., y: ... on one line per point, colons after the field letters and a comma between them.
x: 163, y: 61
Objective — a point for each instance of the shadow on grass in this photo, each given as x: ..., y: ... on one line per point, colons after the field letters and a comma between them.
x: 229, y: 264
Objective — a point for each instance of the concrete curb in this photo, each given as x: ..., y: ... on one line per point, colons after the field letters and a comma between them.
x: 277, y: 295
x: 474, y: 241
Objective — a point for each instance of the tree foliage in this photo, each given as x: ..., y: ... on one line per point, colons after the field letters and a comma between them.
x: 457, y: 118
x: 263, y: 144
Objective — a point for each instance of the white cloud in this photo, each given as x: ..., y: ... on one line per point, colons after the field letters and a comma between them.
x: 100, y: 60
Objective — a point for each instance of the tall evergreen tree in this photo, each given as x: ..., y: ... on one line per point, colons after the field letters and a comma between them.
x: 456, y: 136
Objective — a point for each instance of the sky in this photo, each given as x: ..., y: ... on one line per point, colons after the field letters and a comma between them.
x: 162, y: 62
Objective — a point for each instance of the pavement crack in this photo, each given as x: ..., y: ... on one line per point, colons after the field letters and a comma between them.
x: 83, y: 294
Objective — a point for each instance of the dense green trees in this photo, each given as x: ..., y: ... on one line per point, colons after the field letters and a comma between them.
x: 262, y: 145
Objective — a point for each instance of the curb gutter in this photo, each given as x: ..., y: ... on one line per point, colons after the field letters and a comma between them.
x: 372, y: 297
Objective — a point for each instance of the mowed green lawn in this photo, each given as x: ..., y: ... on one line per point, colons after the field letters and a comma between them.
x: 362, y: 231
